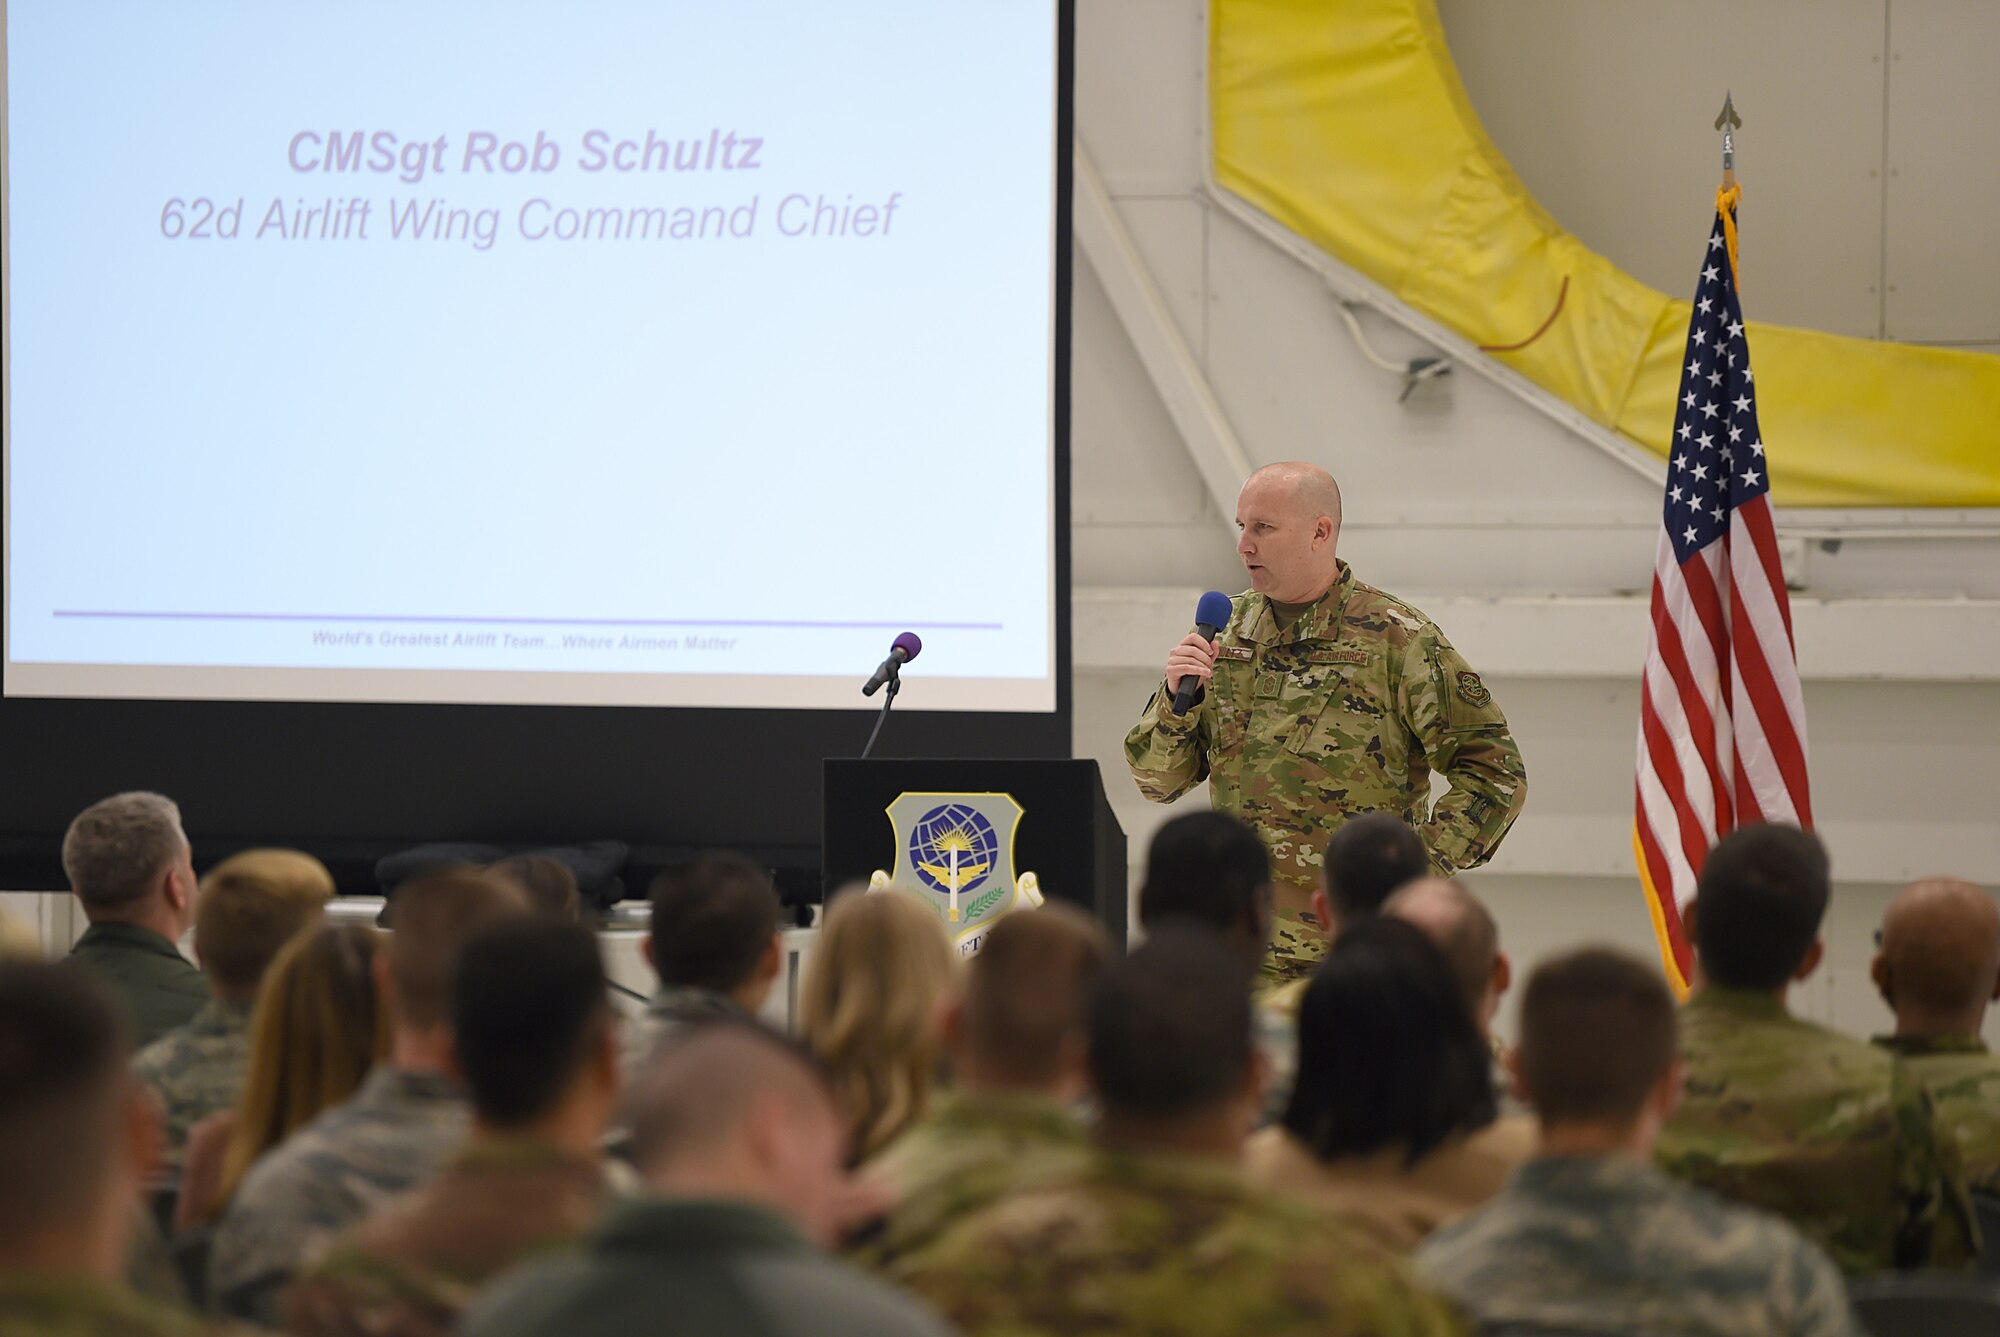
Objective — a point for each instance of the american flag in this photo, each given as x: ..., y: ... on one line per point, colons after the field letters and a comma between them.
x: 1722, y: 723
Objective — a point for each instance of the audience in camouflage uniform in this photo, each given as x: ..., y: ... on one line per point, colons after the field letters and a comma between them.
x: 250, y: 905
x: 1160, y: 1232
x: 78, y: 1136
x: 129, y: 863
x: 1590, y: 1236
x: 535, y: 1040
x: 1015, y: 1041
x: 1938, y: 968
x: 714, y: 943
x: 1792, y: 1117
x: 1393, y: 1118
x: 395, y: 1132
x: 741, y: 1146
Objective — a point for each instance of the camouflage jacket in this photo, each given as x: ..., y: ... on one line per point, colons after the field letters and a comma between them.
x: 198, y: 1068
x: 670, y: 1010
x: 1606, y: 1244
x: 385, y: 1139
x: 1963, y: 1081
x: 411, y: 1268
x: 158, y: 986
x: 40, y: 1305
x: 1348, y: 712
x: 1817, y: 1128
x: 1164, y: 1247
x: 968, y: 1150
x: 701, y: 1266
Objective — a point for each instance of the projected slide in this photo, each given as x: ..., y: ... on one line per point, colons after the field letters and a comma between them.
x: 608, y: 351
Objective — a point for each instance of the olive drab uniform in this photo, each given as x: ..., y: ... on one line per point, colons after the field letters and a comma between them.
x: 1347, y: 710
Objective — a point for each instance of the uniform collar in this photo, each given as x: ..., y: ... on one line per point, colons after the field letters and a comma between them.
x: 1317, y: 622
x: 391, y: 1086
x: 1007, y: 1112
x: 129, y: 935
x: 1913, y: 1046
x: 511, y: 1155
x: 1743, y: 1004
x: 1572, y: 1175
x: 707, y: 1225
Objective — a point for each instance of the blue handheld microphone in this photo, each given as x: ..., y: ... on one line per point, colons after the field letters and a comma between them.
x: 1210, y: 616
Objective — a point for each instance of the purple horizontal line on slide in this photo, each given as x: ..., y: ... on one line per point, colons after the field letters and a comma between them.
x: 523, y: 621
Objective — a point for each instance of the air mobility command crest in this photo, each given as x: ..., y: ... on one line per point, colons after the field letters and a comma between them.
x: 957, y: 852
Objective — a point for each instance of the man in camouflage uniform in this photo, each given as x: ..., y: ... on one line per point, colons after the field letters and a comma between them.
x: 714, y: 943
x: 1788, y: 1116
x: 130, y: 866
x: 391, y: 1134
x: 1938, y: 969
x: 251, y: 905
x: 1323, y: 698
x: 536, y: 1041
x: 1159, y: 1232
x: 1589, y: 1236
x: 76, y: 1138
x: 1015, y: 1038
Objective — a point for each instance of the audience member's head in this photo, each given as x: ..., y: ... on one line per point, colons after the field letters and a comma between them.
x: 18, y: 942
x: 1210, y: 869
x: 551, y: 887
x: 1598, y: 1055
x: 1939, y: 963
x: 1453, y: 918
x: 1758, y: 906
x: 128, y: 861
x: 1018, y: 1023
x: 251, y: 905
x: 1170, y: 1053
x: 317, y: 1029
x: 715, y: 927
x: 731, y: 1110
x: 77, y: 1134
x: 1389, y: 1056
x: 1364, y: 863
x: 434, y: 914
x: 533, y: 1033
x: 869, y: 1009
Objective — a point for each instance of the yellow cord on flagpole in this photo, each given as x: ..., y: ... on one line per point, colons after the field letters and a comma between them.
x: 1725, y: 204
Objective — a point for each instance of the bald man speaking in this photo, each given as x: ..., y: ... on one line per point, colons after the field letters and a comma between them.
x: 1324, y: 698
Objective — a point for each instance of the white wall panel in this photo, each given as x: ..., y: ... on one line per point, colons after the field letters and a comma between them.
x: 1139, y: 107
x: 1943, y: 121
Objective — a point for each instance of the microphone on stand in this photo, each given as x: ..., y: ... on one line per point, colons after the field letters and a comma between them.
x: 905, y: 648
x: 1211, y: 615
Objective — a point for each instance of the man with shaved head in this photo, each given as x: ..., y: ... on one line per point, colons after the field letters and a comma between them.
x: 1464, y: 931
x: 742, y: 1149
x: 1938, y: 969
x: 1322, y: 699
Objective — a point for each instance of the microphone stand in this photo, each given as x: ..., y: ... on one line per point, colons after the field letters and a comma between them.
x: 890, y: 688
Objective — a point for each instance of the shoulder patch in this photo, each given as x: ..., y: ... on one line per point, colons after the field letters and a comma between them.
x: 1472, y: 691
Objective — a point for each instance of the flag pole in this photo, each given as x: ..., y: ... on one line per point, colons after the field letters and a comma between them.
x: 1728, y: 122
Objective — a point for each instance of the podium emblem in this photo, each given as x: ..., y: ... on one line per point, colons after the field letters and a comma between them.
x: 957, y: 852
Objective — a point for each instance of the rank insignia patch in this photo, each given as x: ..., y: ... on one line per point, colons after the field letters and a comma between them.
x: 1472, y: 691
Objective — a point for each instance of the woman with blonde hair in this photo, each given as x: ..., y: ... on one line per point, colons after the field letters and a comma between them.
x: 869, y: 1007
x: 317, y: 1029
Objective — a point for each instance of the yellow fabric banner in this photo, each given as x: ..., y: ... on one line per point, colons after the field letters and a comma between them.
x: 1345, y: 120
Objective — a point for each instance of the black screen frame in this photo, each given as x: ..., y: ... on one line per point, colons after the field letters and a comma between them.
x: 352, y: 781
